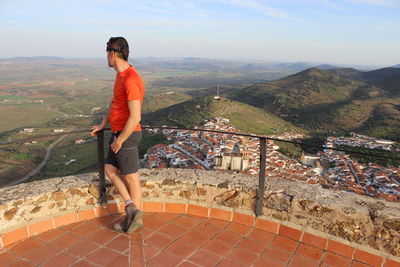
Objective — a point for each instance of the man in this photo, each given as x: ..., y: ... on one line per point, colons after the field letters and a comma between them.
x: 122, y: 163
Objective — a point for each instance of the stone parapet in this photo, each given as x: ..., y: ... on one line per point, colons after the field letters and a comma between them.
x: 297, y: 210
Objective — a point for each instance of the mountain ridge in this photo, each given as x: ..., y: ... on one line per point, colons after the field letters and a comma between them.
x: 387, y: 79
x: 321, y: 101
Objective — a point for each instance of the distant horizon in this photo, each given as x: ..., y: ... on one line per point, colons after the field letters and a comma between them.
x: 244, y: 60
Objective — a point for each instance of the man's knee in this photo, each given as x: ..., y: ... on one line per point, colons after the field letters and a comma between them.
x: 131, y: 178
x: 110, y: 171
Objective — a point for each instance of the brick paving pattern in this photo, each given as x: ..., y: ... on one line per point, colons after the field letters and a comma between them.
x: 170, y: 239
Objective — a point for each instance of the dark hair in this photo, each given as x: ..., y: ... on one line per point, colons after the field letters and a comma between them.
x: 120, y: 46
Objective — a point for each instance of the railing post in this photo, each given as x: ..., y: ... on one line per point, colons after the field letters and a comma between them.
x: 100, y: 153
x: 261, y: 179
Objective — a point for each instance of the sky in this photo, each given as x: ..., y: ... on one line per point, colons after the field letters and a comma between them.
x: 354, y: 32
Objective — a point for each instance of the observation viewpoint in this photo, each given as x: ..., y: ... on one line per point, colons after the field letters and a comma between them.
x: 197, y: 218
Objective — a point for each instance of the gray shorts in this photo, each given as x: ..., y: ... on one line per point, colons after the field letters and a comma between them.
x: 127, y: 158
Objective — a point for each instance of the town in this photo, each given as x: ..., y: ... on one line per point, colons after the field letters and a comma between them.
x: 347, y: 174
x: 229, y: 152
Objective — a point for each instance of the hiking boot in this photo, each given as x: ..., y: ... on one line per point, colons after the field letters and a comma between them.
x: 137, y: 222
x: 132, y: 221
x: 131, y: 211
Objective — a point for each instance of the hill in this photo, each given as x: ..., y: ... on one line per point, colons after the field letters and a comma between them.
x: 300, y: 93
x: 379, y: 117
x: 321, y: 101
x: 327, y: 67
x: 348, y: 73
x: 155, y: 102
x: 387, y: 79
x: 244, y: 117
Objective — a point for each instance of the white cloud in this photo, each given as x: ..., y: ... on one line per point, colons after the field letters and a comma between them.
x: 388, y: 3
x: 261, y: 8
x: 154, y: 9
x: 194, y: 9
x: 170, y: 7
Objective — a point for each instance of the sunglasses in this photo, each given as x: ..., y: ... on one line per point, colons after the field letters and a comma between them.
x: 108, y: 49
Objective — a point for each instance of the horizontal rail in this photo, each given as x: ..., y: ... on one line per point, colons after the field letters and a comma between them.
x: 272, y: 139
x: 210, y: 131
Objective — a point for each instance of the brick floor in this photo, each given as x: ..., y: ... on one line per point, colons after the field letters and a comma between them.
x: 179, y: 240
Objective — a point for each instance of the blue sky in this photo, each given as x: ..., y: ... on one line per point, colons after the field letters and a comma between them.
x: 362, y: 32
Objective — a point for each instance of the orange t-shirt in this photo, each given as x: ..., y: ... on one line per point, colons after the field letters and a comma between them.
x: 128, y: 86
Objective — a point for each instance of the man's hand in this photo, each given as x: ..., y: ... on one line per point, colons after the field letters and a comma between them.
x: 95, y: 129
x: 116, y: 145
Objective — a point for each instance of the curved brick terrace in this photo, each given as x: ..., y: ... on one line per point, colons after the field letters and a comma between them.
x: 196, y: 218
x: 171, y: 239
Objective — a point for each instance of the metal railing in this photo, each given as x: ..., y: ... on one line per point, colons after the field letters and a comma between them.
x: 262, y: 155
x: 102, y: 177
x: 261, y: 181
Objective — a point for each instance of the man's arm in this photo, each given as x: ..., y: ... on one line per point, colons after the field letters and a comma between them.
x: 103, y: 123
x: 133, y: 120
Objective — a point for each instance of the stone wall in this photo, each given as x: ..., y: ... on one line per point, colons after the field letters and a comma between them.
x: 307, y: 207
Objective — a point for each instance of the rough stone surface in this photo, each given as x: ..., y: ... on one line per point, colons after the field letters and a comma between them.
x: 9, y: 214
x: 58, y: 195
x: 94, y: 190
x: 280, y: 202
x: 41, y: 200
x: 36, y: 209
x: 356, y: 218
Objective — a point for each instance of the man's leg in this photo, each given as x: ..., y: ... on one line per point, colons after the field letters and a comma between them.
x: 132, y: 181
x: 113, y: 174
x: 133, y: 218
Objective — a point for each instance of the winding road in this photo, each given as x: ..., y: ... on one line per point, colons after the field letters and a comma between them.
x: 40, y: 166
